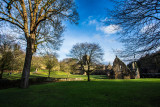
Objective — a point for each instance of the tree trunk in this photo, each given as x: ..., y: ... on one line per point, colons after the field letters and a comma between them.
x: 88, y: 72
x: 88, y: 76
x: 26, y: 68
x: 1, y: 74
x: 49, y: 73
x: 82, y: 70
x: 68, y: 74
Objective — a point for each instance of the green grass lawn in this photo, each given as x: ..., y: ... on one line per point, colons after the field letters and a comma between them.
x: 97, y: 93
x: 54, y: 74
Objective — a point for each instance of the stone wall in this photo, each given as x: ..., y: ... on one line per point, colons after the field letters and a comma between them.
x: 121, y: 71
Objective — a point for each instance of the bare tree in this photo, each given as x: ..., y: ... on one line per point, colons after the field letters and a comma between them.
x: 51, y: 61
x: 36, y: 19
x: 139, y: 25
x: 77, y: 52
x: 88, y: 55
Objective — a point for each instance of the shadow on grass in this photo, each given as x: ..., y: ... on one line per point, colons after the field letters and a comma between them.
x: 99, y: 76
x: 18, y: 76
x: 106, y: 93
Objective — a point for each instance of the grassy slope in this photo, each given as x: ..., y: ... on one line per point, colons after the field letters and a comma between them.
x: 111, y: 93
x: 54, y: 74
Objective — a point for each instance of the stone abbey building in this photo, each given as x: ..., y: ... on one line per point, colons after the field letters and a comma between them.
x: 120, y: 71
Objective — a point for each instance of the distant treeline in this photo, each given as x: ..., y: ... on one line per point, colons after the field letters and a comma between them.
x: 149, y: 65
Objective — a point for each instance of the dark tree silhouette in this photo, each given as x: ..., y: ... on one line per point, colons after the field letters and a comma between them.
x: 40, y: 21
x: 139, y: 25
x: 88, y: 55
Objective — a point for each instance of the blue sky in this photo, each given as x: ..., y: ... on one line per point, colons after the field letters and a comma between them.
x: 91, y: 28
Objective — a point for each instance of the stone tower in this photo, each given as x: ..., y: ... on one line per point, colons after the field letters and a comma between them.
x: 135, y: 70
x: 120, y: 70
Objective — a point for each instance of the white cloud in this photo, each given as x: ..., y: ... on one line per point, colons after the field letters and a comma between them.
x: 93, y: 22
x: 107, y: 30
x: 147, y: 27
x: 107, y: 19
x: 89, y: 21
x: 104, y: 20
x: 90, y: 17
x: 111, y: 29
x: 84, y: 23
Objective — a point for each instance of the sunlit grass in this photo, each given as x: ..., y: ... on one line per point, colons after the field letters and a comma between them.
x: 54, y: 74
